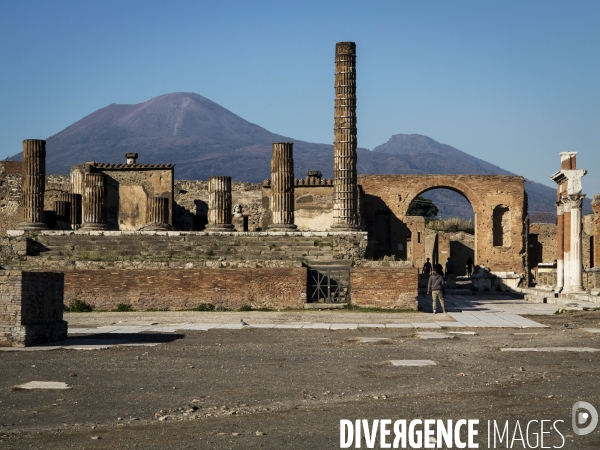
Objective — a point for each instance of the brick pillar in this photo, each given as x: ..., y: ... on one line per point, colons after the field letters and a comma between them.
x: 219, y: 204
x: 74, y: 201
x: 33, y: 184
x: 596, y: 207
x: 560, y: 246
x: 95, y: 202
x: 345, y: 212
x: 282, y: 187
x: 157, y: 214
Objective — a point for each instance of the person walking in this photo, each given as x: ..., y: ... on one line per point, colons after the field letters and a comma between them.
x: 469, y: 266
x: 435, y: 286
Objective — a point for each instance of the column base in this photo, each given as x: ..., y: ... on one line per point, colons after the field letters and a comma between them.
x: 574, y: 290
x: 286, y: 228
x: 94, y: 227
x: 344, y: 227
x: 32, y: 226
x: 221, y: 227
x: 155, y: 227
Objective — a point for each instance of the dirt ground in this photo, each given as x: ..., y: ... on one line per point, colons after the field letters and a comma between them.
x: 285, y: 388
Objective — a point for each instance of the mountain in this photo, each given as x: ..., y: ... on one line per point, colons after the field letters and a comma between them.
x: 203, y: 139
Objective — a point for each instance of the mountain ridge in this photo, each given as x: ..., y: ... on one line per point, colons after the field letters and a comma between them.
x: 202, y: 139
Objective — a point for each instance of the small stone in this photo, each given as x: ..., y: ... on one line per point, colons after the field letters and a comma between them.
x: 95, y: 438
x: 259, y: 433
x: 119, y: 418
x: 72, y: 375
x: 235, y: 434
x: 163, y: 418
x: 522, y: 369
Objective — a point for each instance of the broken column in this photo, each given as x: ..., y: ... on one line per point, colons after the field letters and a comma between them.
x: 33, y: 184
x: 569, y: 194
x: 219, y: 204
x: 157, y: 214
x: 70, y: 205
x: 282, y: 187
x: 95, y: 202
x: 345, y: 211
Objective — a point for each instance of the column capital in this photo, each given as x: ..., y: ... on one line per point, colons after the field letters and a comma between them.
x: 576, y: 200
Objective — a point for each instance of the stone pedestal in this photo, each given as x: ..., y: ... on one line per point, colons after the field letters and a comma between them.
x: 219, y: 204
x: 345, y: 207
x: 33, y: 184
x: 282, y: 187
x: 95, y: 202
x: 157, y: 213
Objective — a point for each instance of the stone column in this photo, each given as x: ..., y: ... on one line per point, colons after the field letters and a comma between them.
x: 33, y: 184
x: 95, y: 202
x: 596, y: 207
x: 63, y: 214
x: 345, y: 213
x: 566, y: 245
x: 560, y: 247
x: 157, y: 213
x: 575, y: 273
x: 74, y: 201
x: 282, y: 187
x: 219, y: 204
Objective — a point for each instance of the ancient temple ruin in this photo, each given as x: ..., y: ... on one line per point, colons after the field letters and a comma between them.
x: 288, y: 242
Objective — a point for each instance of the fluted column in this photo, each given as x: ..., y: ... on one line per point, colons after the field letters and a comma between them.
x: 62, y: 209
x: 95, y: 202
x: 219, y: 204
x: 560, y: 247
x: 33, y: 184
x: 157, y: 213
x: 576, y: 264
x: 345, y: 211
x: 282, y: 187
x: 74, y: 201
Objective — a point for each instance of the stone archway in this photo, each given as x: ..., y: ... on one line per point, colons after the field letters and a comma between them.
x: 394, y: 193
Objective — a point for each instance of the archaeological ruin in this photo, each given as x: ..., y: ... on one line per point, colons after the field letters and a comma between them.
x: 113, y: 233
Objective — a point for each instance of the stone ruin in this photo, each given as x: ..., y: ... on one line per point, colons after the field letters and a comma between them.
x: 269, y: 245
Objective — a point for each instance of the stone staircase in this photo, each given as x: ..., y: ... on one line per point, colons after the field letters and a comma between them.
x: 134, y: 250
x: 565, y: 300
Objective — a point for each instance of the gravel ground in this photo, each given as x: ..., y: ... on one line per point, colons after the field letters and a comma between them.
x: 266, y: 388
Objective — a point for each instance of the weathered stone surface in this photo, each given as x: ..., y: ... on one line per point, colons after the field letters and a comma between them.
x: 219, y: 204
x: 95, y: 202
x: 31, y: 308
x: 282, y: 187
x: 34, y: 184
x: 157, y: 212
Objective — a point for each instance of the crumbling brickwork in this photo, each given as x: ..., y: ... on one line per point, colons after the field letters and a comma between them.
x: 394, y: 193
x: 384, y: 287
x: 178, y: 289
x: 31, y: 308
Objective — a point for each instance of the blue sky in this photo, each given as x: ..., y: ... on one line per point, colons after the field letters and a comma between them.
x: 511, y: 82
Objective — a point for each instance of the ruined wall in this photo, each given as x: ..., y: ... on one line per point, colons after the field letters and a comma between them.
x: 178, y: 289
x: 486, y: 193
x: 191, y: 199
x: 31, y: 308
x: 384, y: 287
x: 313, y: 204
x: 10, y: 195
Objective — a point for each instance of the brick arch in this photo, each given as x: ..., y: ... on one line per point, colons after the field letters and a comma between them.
x: 394, y: 193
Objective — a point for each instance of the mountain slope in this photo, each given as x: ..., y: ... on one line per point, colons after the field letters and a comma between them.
x: 203, y: 139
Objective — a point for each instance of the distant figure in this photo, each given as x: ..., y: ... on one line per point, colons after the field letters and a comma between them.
x: 427, y: 267
x: 449, y: 267
x: 469, y: 266
x: 436, y: 288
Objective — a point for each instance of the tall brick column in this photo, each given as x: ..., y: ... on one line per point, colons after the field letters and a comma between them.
x: 219, y: 204
x: 282, y: 187
x: 95, y: 202
x: 596, y: 207
x: 345, y: 210
x: 33, y: 184
x: 157, y: 213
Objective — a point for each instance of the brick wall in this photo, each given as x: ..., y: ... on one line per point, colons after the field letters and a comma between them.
x: 384, y: 287
x: 178, y: 289
x: 31, y: 308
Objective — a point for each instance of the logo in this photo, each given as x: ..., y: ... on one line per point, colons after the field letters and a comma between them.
x: 580, y: 418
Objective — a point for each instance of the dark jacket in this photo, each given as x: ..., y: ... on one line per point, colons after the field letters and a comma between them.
x: 436, y: 282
